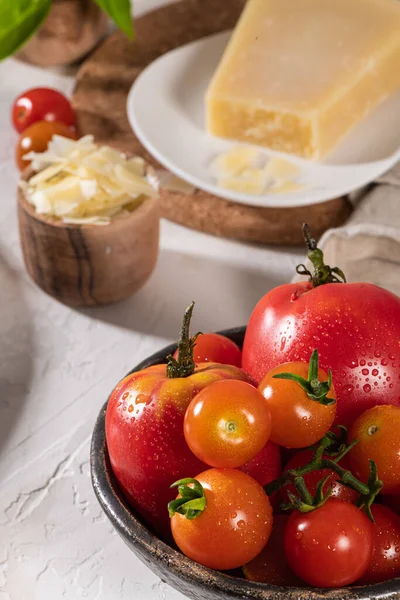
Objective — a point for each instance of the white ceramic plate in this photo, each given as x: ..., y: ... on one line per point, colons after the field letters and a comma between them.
x: 166, y: 111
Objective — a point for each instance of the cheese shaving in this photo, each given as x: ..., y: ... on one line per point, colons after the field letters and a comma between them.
x: 247, y: 170
x: 82, y: 183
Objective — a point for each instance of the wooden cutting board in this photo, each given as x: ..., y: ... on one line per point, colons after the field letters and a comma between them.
x: 99, y: 98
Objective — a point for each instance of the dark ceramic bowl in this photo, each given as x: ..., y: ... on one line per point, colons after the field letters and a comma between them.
x: 189, y: 578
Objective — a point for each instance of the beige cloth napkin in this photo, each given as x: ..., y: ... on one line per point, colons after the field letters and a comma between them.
x: 367, y: 247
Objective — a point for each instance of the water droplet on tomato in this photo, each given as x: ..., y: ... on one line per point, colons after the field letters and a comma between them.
x: 392, y: 356
x: 299, y: 535
x: 241, y: 524
x: 283, y: 343
x: 375, y: 372
x: 391, y: 386
x: 130, y: 408
x: 367, y: 388
x: 141, y: 399
x: 377, y: 353
x: 365, y: 371
x: 125, y: 396
x: 363, y: 363
x: 348, y: 389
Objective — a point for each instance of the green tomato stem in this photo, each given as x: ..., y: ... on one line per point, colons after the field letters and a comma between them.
x: 322, y: 273
x: 184, y: 365
x: 316, y: 390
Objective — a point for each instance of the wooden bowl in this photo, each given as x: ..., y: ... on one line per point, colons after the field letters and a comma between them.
x: 188, y: 577
x: 71, y: 29
x: 89, y: 265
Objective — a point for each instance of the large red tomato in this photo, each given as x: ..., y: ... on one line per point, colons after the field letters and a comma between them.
x: 354, y: 326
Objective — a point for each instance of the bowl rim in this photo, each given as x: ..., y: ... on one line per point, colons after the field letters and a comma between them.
x: 135, y: 532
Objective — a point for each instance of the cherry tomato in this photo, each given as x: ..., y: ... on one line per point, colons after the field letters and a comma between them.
x: 271, y: 566
x: 234, y: 526
x: 339, y: 491
x: 227, y: 424
x: 144, y: 433
x: 213, y: 347
x: 41, y: 104
x: 378, y: 434
x: 354, y: 326
x: 385, y: 563
x: 331, y: 546
x: 266, y: 465
x: 37, y: 137
x: 297, y: 420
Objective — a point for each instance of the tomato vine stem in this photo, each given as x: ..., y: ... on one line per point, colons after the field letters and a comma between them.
x: 184, y: 365
x: 192, y: 500
x: 322, y: 273
x: 315, y: 389
x: 330, y: 444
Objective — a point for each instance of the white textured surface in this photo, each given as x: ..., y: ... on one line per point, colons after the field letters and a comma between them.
x: 57, y: 366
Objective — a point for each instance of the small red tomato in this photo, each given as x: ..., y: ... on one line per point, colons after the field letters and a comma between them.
x: 213, y: 347
x: 271, y: 566
x: 41, y: 104
x: 227, y: 424
x: 378, y: 433
x: 339, y: 491
x: 234, y: 526
x: 266, y: 465
x: 298, y: 419
x: 385, y: 563
x: 37, y: 137
x: 331, y: 546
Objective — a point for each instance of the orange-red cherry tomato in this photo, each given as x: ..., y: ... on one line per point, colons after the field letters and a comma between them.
x: 378, y: 433
x: 234, y: 526
x: 213, y: 347
x: 227, y: 424
x: 37, y: 137
x: 297, y: 420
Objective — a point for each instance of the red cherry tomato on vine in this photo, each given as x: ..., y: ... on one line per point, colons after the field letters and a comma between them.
x: 37, y: 137
x: 266, y: 465
x: 339, y: 491
x: 213, y: 347
x: 234, y: 526
x: 41, y: 104
x: 331, y: 546
x: 297, y: 420
x: 271, y: 566
x: 385, y: 563
x: 227, y: 424
x: 354, y: 326
x: 378, y: 434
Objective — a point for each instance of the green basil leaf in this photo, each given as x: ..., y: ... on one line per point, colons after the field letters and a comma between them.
x: 19, y: 19
x: 120, y: 12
